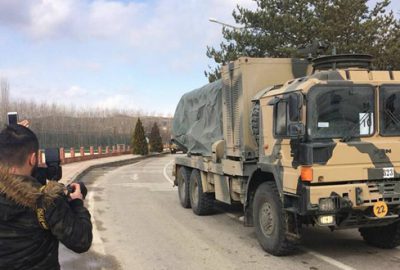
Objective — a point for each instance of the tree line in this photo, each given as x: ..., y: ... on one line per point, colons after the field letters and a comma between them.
x: 60, y: 126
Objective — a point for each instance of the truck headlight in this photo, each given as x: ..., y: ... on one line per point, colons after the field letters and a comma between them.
x: 327, y: 204
x: 327, y: 220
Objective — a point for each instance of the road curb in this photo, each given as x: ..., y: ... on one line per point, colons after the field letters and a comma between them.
x: 116, y: 163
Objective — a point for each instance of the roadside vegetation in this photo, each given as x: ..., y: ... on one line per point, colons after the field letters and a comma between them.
x: 60, y: 126
x: 155, y: 140
x: 139, y: 141
x: 278, y: 28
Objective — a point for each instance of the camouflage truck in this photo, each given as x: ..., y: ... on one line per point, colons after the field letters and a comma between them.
x: 174, y: 148
x: 296, y: 144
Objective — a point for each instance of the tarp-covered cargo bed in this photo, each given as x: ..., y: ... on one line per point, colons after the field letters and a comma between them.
x: 198, y: 119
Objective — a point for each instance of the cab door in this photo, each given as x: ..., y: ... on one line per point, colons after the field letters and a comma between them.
x: 282, y: 136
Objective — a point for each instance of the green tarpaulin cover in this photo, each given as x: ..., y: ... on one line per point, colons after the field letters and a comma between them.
x: 197, y: 121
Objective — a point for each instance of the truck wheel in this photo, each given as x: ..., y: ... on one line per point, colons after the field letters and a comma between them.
x: 383, y: 237
x: 183, y: 187
x: 202, y: 203
x: 270, y: 221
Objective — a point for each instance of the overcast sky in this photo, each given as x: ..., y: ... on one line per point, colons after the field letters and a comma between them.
x: 133, y: 54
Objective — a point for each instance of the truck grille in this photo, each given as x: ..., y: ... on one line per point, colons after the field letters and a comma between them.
x: 390, y: 191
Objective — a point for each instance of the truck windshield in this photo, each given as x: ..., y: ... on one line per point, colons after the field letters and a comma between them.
x: 390, y: 110
x: 340, y: 112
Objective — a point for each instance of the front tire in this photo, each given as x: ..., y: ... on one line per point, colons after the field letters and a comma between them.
x: 183, y: 178
x: 386, y: 237
x: 270, y: 221
x: 202, y: 203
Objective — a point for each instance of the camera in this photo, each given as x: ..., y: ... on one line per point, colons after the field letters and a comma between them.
x: 53, y: 170
x: 84, y: 190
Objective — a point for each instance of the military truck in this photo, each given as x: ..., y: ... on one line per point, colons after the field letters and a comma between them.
x: 297, y: 144
x: 174, y: 148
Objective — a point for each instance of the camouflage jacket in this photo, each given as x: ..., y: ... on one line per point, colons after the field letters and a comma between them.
x: 27, y: 243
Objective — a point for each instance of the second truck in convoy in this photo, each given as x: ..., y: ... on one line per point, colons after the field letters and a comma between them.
x: 296, y: 144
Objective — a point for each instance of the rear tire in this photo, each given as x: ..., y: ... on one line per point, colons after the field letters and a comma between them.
x: 270, y: 221
x: 183, y: 186
x: 387, y: 237
x: 202, y: 203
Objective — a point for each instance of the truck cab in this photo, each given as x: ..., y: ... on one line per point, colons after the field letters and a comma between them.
x: 336, y: 139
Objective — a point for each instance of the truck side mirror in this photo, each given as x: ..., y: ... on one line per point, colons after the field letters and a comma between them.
x: 295, y: 101
x: 274, y: 101
x: 296, y: 129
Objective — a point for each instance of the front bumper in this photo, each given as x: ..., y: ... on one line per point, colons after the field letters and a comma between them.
x: 351, y: 203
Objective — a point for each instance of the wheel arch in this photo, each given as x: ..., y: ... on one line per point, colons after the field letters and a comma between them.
x: 258, y: 177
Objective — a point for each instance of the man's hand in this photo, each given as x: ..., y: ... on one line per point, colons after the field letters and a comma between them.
x: 24, y: 123
x: 76, y: 194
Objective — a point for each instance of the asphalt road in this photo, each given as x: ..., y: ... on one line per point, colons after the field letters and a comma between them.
x: 139, y: 224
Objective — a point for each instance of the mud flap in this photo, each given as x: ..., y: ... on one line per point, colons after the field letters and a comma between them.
x: 293, y: 230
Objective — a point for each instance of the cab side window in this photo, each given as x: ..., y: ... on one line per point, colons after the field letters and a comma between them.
x: 288, y: 115
x: 281, y: 119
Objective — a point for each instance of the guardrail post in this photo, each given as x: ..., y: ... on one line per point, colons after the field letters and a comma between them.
x: 40, y: 156
x: 62, y: 154
x: 91, y: 150
x: 107, y: 149
x: 99, y: 150
x: 82, y: 151
x: 113, y: 149
x: 72, y: 152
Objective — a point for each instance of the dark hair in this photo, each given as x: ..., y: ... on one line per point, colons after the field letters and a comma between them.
x: 16, y: 144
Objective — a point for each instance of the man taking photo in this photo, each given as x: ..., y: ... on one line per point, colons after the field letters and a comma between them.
x: 34, y: 217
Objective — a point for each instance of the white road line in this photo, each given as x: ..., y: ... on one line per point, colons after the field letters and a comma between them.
x: 329, y: 260
x: 97, y: 243
x: 166, y: 174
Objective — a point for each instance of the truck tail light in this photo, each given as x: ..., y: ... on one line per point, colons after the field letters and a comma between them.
x: 306, y: 174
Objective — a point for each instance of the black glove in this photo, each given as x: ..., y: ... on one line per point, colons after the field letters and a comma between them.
x: 84, y: 190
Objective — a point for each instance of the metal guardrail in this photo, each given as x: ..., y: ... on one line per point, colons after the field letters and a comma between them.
x: 75, y: 156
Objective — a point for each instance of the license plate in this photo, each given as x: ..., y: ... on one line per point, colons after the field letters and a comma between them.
x: 388, y: 172
x: 380, y: 209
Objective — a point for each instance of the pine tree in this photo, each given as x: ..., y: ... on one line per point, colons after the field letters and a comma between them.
x: 277, y: 28
x: 155, y: 139
x: 139, y: 142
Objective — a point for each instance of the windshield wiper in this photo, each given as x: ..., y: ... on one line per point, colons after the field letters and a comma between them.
x: 351, y: 134
x: 393, y: 117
